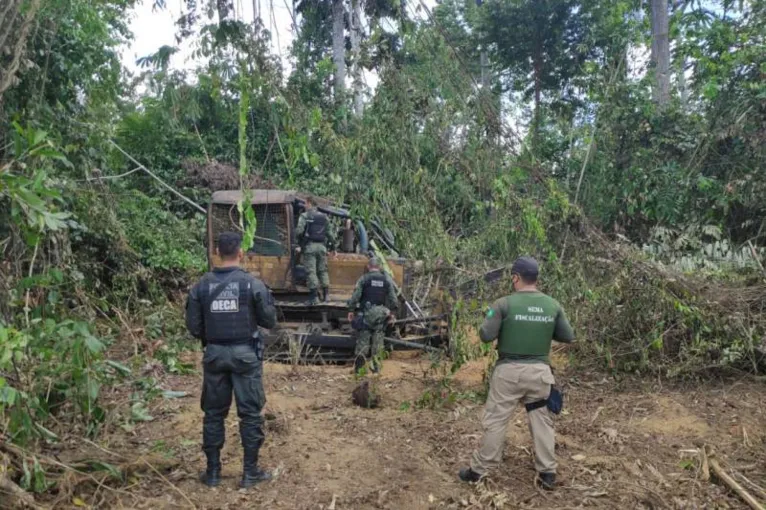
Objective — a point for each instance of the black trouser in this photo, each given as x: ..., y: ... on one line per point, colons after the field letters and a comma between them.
x: 230, y: 368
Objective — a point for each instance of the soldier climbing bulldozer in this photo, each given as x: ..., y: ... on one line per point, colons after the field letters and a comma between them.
x: 312, y: 328
x: 314, y: 233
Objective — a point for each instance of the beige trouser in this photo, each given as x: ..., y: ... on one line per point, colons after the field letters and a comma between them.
x: 511, y: 383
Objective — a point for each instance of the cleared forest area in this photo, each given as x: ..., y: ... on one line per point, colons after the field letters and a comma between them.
x: 622, y: 144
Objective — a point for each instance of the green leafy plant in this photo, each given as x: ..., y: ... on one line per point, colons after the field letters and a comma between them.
x: 56, y: 368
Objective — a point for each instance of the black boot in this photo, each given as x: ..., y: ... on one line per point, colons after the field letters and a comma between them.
x: 251, y: 475
x: 358, y: 363
x: 212, y: 475
x: 547, y: 480
x: 325, y: 294
x: 313, y: 300
x: 469, y: 475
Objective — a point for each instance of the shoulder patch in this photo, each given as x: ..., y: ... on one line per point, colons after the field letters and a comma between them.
x: 491, y: 313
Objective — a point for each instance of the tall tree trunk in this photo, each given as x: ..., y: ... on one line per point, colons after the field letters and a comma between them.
x: 661, y: 51
x: 492, y: 115
x: 339, y: 48
x: 356, y: 38
x: 402, y: 17
x: 12, y: 50
x: 682, y: 86
x: 483, y: 61
x: 683, y: 90
x: 538, y: 69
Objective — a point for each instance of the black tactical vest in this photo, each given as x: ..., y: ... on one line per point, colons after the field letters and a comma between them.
x: 375, y: 289
x: 316, y: 230
x: 230, y: 317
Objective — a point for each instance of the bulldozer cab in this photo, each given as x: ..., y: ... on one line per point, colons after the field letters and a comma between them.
x: 273, y: 257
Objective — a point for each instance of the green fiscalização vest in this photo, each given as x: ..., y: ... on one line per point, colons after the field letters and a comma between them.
x: 531, y: 320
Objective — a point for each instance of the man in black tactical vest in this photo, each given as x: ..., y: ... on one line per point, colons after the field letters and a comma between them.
x: 375, y: 296
x: 314, y: 231
x: 224, y: 310
x: 524, y: 325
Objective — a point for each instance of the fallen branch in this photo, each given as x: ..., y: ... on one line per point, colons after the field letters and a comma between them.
x: 69, y: 471
x: 75, y: 474
x: 17, y: 497
x: 733, y: 484
x: 414, y: 345
x: 172, y: 486
x: 704, y: 465
x: 757, y: 259
x: 754, y: 486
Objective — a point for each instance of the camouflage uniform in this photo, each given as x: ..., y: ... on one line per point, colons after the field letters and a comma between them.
x: 374, y: 313
x: 315, y: 252
x: 315, y: 260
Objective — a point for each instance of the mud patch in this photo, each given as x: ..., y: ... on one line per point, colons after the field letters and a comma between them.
x: 672, y: 418
x: 472, y: 373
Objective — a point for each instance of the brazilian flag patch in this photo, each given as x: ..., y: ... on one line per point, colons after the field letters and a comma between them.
x: 491, y: 313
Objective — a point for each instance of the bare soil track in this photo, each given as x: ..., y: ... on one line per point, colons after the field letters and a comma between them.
x: 618, y: 447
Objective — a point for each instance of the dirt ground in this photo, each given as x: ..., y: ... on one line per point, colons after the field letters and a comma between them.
x: 627, y: 445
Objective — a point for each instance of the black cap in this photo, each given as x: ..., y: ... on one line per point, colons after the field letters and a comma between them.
x: 526, y: 267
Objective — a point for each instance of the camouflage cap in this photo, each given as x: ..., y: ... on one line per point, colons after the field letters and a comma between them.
x: 373, y: 262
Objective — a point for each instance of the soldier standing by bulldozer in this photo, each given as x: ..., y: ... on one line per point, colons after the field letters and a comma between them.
x: 375, y: 296
x: 314, y: 232
x: 225, y: 310
x: 524, y: 324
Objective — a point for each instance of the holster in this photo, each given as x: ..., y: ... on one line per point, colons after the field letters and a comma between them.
x: 555, y: 402
x: 358, y: 322
x: 258, y: 347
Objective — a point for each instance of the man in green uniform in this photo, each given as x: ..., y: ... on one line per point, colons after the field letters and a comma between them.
x: 524, y: 325
x: 375, y: 297
x: 314, y: 231
x: 224, y: 310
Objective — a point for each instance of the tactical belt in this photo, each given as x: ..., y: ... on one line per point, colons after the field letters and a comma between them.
x: 555, y: 402
x: 255, y: 342
x: 536, y: 405
x: 240, y: 341
x: 507, y: 356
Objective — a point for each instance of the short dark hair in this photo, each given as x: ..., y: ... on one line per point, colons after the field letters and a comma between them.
x: 229, y: 244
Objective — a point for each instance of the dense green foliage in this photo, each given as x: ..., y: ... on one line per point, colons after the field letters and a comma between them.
x: 563, y: 145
